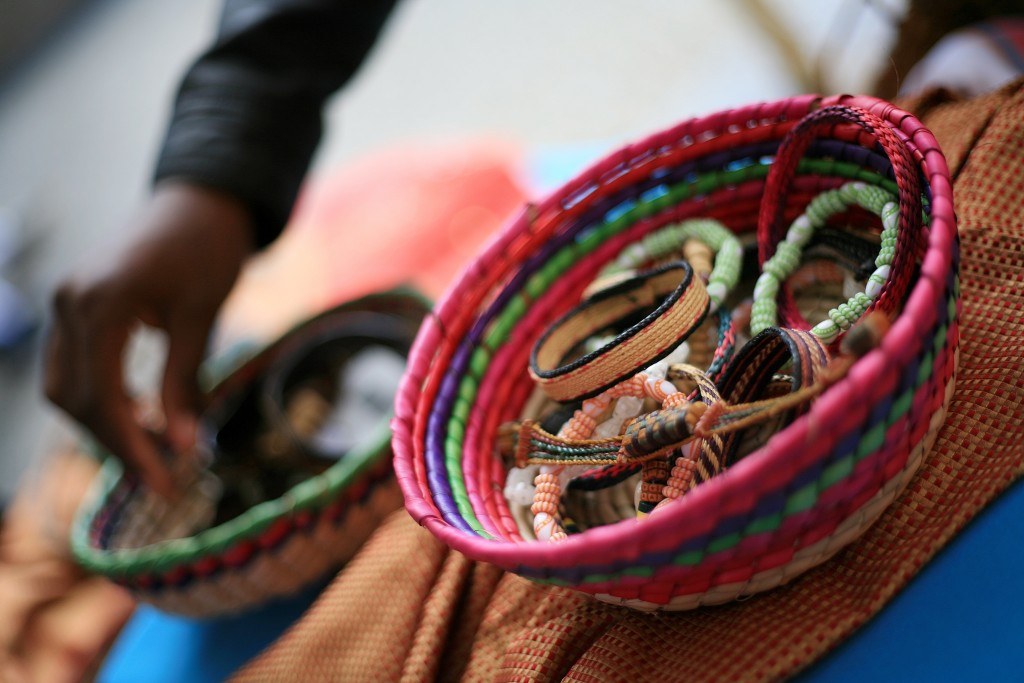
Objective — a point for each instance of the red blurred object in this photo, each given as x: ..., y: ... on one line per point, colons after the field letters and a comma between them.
x: 408, y: 215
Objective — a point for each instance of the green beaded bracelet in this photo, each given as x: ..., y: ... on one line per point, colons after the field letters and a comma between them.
x: 670, y: 239
x: 774, y: 271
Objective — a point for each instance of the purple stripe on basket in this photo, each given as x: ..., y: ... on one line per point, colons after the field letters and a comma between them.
x: 874, y: 159
x: 769, y: 504
x: 808, y: 475
x: 437, y: 470
x: 881, y: 409
x: 848, y: 443
x: 112, y: 514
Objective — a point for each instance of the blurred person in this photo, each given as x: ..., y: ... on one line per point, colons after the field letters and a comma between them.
x: 245, y: 123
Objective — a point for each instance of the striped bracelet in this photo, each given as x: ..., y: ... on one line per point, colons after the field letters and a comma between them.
x: 643, y: 343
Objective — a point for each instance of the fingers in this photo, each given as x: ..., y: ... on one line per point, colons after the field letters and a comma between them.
x: 84, y: 377
x: 181, y: 396
x: 174, y: 276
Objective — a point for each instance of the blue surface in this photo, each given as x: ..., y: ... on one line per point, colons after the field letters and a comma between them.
x: 960, y: 619
x: 161, y: 648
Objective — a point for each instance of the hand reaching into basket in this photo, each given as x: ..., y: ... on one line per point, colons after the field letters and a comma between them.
x: 174, y: 276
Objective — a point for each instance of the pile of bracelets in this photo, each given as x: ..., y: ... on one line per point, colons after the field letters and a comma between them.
x: 644, y: 376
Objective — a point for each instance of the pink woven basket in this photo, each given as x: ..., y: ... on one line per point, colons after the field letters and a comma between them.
x: 816, y: 485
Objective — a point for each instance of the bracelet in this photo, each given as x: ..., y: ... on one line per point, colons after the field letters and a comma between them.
x: 786, y: 259
x: 747, y: 379
x: 547, y: 526
x: 728, y: 254
x: 642, y: 344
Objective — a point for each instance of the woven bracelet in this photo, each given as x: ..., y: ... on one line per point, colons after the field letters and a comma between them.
x: 753, y: 368
x: 642, y: 344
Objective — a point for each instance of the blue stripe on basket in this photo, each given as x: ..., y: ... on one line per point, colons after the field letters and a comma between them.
x: 881, y: 409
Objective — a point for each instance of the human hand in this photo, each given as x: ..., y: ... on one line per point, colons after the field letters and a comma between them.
x: 174, y: 277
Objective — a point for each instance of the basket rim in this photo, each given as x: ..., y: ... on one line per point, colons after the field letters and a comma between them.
x: 872, y: 372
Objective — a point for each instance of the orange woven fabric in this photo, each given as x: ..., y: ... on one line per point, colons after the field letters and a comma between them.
x: 409, y: 609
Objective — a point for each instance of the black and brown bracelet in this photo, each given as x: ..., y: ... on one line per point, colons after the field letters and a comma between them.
x: 683, y: 306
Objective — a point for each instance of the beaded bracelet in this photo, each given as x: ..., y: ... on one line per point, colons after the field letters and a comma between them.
x: 649, y: 340
x: 547, y: 526
x: 786, y: 259
x: 728, y: 254
x: 649, y: 439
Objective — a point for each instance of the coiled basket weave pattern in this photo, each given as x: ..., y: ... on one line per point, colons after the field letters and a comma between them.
x: 813, y: 487
x: 169, y: 555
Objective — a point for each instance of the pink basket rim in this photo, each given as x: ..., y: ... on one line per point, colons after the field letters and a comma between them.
x: 845, y: 400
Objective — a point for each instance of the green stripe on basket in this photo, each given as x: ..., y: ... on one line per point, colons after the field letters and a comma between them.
x: 479, y: 361
x: 560, y: 582
x: 691, y: 557
x: 723, y: 542
x: 903, y: 403
x: 763, y: 524
x: 500, y: 329
x: 562, y: 260
x: 645, y: 572
x: 460, y: 410
x: 506, y: 320
x: 311, y: 494
x: 940, y: 341
x: 873, y: 439
x: 453, y: 456
x: 836, y: 472
x: 801, y: 499
x: 591, y: 240
x: 924, y: 370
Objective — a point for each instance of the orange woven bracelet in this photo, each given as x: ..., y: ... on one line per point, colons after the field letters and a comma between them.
x: 644, y: 343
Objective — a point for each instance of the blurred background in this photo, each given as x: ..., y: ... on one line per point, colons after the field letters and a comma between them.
x: 85, y: 87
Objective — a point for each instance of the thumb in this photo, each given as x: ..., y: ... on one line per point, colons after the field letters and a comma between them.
x: 181, y: 396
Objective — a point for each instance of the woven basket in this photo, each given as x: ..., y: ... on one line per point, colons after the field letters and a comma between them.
x: 171, y: 556
x: 816, y: 485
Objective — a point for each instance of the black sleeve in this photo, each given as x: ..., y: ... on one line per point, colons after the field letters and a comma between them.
x: 247, y: 117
